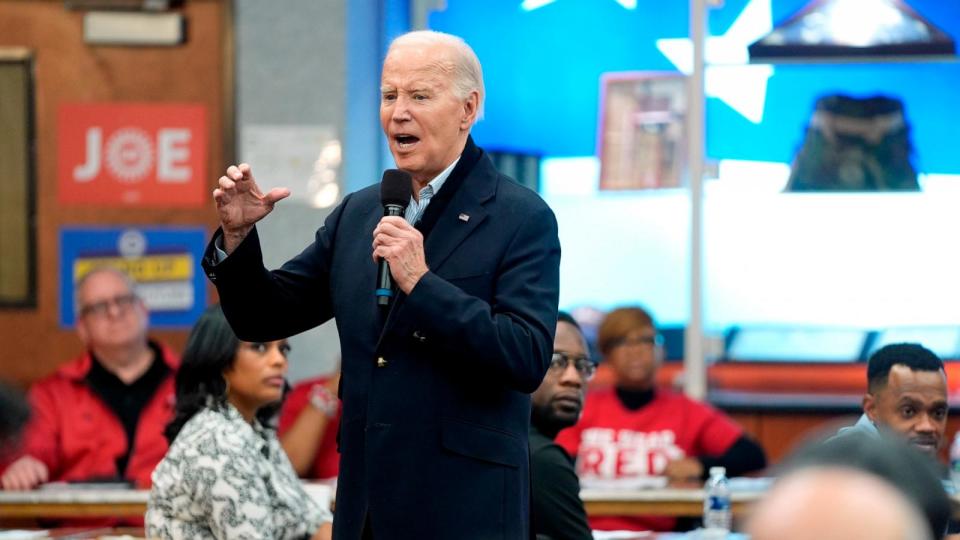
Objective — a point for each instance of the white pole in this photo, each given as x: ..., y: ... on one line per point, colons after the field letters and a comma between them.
x: 694, y: 362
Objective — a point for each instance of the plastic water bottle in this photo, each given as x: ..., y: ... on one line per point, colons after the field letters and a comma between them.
x: 955, y: 461
x: 717, y: 514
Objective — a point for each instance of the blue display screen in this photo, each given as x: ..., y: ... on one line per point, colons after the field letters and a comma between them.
x: 543, y: 60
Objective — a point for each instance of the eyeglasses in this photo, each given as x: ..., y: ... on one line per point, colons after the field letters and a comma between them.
x: 583, y: 364
x: 646, y: 341
x: 100, y: 309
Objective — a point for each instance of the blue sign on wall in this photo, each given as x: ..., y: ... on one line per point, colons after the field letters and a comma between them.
x: 542, y: 62
x: 163, y: 262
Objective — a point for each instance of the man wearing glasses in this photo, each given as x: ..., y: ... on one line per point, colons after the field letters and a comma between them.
x: 637, y: 434
x: 558, y: 512
x: 100, y: 417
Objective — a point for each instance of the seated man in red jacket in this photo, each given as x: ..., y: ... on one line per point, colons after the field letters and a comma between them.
x: 101, y: 416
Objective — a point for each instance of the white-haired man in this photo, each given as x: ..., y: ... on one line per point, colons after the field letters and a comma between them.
x: 101, y: 416
x: 436, y: 390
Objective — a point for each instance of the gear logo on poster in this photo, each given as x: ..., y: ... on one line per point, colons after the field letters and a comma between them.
x: 132, y: 154
x: 129, y: 155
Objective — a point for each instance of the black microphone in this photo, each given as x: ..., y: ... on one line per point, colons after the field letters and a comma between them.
x: 395, y: 191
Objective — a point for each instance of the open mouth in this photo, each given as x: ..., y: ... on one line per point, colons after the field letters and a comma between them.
x: 405, y: 141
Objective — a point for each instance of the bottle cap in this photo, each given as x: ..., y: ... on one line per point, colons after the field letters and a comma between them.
x: 718, y: 470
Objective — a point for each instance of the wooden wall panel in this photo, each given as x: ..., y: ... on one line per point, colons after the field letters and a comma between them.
x: 68, y: 70
x: 750, y: 422
x: 782, y: 433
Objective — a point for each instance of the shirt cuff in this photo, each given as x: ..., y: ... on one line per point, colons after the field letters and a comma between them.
x: 219, y: 254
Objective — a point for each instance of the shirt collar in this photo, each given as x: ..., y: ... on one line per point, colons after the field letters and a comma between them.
x: 256, y: 430
x: 866, y: 424
x: 438, y: 182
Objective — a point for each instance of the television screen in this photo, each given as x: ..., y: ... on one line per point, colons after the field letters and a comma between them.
x: 796, y: 345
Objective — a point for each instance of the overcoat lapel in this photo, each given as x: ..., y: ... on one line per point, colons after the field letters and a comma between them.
x: 464, y: 213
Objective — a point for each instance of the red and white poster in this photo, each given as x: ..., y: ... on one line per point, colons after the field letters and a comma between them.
x: 132, y: 154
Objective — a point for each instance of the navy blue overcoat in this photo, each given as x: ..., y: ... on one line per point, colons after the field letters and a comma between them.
x: 436, y: 402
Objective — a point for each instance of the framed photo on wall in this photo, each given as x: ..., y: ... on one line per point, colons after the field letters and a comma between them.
x: 18, y: 206
x: 642, y: 132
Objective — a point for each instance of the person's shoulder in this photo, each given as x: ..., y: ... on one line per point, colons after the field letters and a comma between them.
x: 511, y: 191
x: 74, y: 368
x: 57, y: 379
x: 692, y: 409
x: 597, y: 404
x: 210, y: 433
x: 669, y: 395
x: 604, y: 392
x: 364, y: 196
x: 862, y: 428
x: 167, y: 354
x: 68, y: 374
x: 197, y: 428
x: 537, y: 440
x: 204, y: 448
x: 355, y: 205
x: 507, y: 189
x: 549, y: 453
x: 668, y: 398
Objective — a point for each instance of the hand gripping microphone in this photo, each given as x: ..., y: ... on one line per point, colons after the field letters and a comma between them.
x: 395, y: 191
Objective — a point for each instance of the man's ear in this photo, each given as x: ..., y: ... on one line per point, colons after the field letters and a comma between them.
x: 870, y: 406
x: 471, y: 106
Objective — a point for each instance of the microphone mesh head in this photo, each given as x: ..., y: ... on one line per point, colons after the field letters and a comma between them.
x: 396, y: 187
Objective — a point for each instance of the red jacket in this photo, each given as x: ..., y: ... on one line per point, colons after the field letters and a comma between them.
x: 78, y: 437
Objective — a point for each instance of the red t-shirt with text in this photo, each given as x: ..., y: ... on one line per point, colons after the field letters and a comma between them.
x: 611, y: 442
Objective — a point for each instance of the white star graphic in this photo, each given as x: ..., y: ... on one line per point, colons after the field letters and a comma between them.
x: 530, y: 5
x: 730, y: 79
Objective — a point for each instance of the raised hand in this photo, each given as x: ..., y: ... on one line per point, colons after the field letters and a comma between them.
x: 240, y: 204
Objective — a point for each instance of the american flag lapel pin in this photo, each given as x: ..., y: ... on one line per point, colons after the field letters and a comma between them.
x: 464, y: 218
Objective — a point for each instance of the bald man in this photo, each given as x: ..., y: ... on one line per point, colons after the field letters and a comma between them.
x: 835, y: 503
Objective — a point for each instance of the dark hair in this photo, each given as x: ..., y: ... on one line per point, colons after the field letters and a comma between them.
x: 620, y: 322
x: 563, y: 316
x: 14, y: 413
x: 210, y: 350
x: 913, y: 355
x: 915, y: 475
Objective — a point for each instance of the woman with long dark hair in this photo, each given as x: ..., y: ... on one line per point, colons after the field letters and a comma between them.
x: 225, y: 475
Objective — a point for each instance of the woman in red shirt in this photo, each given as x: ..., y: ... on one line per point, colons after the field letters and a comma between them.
x: 634, y: 434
